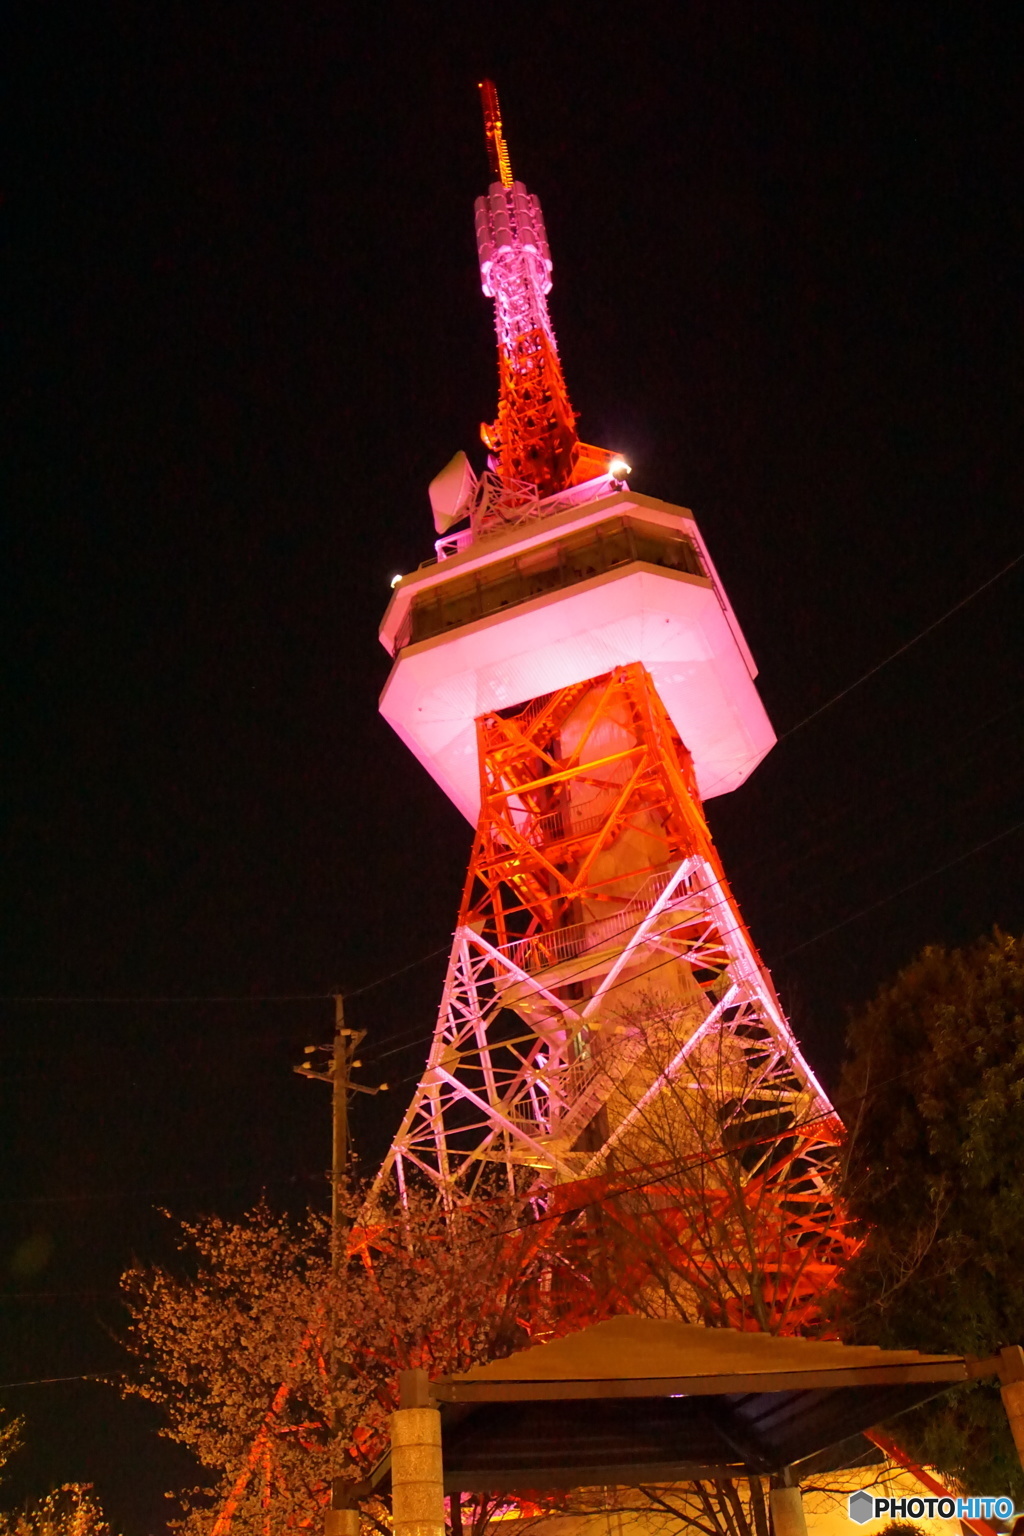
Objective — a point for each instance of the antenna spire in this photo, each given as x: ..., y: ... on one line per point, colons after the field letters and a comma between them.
x: 497, y: 149
x: 533, y: 446
x: 533, y: 442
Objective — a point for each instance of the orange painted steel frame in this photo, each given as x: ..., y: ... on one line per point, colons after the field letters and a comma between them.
x: 532, y: 870
x: 534, y: 438
x: 551, y: 925
x: 592, y: 867
x: 534, y: 859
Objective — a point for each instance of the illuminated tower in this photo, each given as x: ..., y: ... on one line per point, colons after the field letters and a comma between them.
x: 570, y: 671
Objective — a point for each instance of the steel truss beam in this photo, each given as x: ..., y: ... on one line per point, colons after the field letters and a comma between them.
x: 602, y: 981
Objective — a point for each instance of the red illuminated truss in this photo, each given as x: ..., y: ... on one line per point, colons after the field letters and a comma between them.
x: 605, y: 1009
x: 609, y: 1045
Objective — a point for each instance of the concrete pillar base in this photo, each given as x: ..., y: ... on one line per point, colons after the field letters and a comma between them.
x: 787, y: 1506
x: 417, y: 1478
x: 1012, y: 1393
x: 341, y: 1522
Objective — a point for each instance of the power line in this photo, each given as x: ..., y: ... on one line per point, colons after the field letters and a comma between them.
x: 840, y: 819
x: 193, y: 1000
x: 369, y: 986
x: 673, y: 959
x: 319, y: 997
x: 235, y: 1186
x: 411, y: 1037
x: 949, y: 864
x: 901, y: 650
x: 190, y: 1001
x: 421, y: 1035
x: 404, y: 1040
x: 48, y: 1381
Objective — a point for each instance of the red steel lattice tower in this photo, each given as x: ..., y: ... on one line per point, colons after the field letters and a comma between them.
x: 570, y: 671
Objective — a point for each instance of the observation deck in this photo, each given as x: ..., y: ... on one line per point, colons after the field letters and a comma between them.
x: 555, y: 601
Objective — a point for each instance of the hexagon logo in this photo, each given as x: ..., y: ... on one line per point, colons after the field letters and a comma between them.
x: 862, y: 1506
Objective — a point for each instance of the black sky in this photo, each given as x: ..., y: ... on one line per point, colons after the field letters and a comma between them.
x: 243, y: 331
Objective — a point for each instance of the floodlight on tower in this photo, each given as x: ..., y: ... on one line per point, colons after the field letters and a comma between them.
x: 570, y: 671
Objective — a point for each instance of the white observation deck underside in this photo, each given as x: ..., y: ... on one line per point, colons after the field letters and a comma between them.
x: 630, y: 601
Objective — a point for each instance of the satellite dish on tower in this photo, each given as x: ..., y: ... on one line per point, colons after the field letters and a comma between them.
x: 450, y: 492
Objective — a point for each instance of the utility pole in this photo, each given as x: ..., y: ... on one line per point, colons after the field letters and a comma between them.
x: 337, y: 1071
x: 342, y: 1518
x: 343, y: 1059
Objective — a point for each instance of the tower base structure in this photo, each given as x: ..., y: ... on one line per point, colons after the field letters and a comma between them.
x: 608, y: 1040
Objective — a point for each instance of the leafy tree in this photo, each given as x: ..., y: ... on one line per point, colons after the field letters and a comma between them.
x: 240, y: 1345
x: 279, y: 1376
x: 933, y: 1091
x: 10, y: 1437
x: 71, y: 1510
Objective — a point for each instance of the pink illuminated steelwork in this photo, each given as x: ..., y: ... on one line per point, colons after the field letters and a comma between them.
x: 570, y: 671
x: 572, y: 674
x: 601, y: 973
x: 533, y: 441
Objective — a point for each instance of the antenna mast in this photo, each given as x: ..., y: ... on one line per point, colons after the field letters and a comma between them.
x: 578, y: 684
x: 533, y: 444
x: 497, y: 149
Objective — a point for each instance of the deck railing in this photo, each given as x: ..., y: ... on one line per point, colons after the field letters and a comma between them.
x: 551, y: 568
x: 542, y: 950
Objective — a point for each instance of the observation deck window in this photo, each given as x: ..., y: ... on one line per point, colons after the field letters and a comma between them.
x: 552, y: 567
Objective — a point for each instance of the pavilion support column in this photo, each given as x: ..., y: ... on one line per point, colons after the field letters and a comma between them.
x: 1011, y: 1387
x: 787, y: 1505
x: 417, y: 1475
x: 341, y: 1522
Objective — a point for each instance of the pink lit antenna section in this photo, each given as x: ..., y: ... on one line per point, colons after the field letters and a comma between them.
x: 534, y: 438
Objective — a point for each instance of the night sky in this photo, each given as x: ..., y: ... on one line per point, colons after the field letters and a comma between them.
x: 243, y: 331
